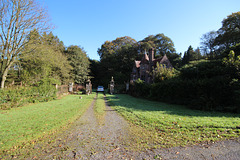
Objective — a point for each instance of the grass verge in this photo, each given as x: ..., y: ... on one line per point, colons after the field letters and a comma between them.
x: 20, y: 126
x: 100, y: 108
x: 174, y: 125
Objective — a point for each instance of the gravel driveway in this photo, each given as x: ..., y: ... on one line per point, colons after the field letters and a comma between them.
x: 86, y: 139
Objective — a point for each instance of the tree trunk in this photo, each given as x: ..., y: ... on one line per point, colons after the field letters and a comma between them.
x: 3, y: 81
x: 4, y: 76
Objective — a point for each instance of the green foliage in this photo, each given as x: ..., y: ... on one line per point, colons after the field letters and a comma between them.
x: 235, y: 48
x: 117, y: 58
x: 80, y: 64
x: 48, y: 81
x: 94, y: 73
x: 175, y: 125
x: 17, y: 97
x: 214, y: 43
x: 233, y: 65
x: 140, y: 88
x: 232, y: 61
x: 161, y: 43
x: 161, y: 73
x: 204, y: 84
x: 207, y: 44
x: 18, y: 19
x: 111, y: 47
x: 203, y: 69
x: 191, y: 55
x: 43, y: 58
x: 205, y: 94
x: 229, y: 33
x: 175, y: 59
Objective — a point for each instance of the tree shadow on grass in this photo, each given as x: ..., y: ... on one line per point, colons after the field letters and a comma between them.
x: 133, y: 103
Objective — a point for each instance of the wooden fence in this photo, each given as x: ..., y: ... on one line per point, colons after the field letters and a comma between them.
x: 63, y: 89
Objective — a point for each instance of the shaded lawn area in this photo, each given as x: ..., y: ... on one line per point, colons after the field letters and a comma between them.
x: 175, y: 125
x: 19, y: 126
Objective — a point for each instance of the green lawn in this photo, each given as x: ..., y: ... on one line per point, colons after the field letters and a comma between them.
x: 100, y: 108
x: 175, y: 125
x: 22, y: 125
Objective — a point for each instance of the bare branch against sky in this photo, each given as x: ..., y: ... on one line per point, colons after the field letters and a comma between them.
x: 17, y: 19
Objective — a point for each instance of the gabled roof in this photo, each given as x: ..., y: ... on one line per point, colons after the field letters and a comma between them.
x: 145, y: 59
x: 163, y: 60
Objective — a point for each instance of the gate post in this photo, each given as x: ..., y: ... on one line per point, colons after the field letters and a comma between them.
x: 112, y: 86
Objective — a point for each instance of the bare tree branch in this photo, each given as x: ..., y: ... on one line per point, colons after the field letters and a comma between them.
x: 17, y: 19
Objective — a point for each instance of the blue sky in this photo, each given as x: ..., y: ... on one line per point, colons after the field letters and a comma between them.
x: 89, y: 23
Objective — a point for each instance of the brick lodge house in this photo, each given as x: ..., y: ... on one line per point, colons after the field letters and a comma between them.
x: 142, y: 69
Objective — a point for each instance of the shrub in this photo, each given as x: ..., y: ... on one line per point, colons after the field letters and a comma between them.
x: 140, y: 88
x: 17, y: 97
x: 161, y: 73
x: 205, y: 94
x: 206, y: 85
x: 203, y: 69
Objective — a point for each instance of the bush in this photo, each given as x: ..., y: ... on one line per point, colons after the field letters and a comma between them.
x: 140, y: 89
x: 17, y: 97
x: 206, y: 85
x: 203, y: 69
x: 174, y: 91
x: 205, y: 94
x: 161, y: 73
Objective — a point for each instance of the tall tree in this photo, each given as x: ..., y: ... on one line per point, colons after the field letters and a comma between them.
x: 191, y: 55
x: 117, y: 58
x: 17, y: 19
x: 111, y: 47
x: 80, y: 63
x: 229, y: 33
x: 207, y: 44
x: 162, y: 44
x: 43, y: 58
x: 95, y: 72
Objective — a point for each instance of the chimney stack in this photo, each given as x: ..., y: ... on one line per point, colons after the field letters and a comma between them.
x: 151, y: 56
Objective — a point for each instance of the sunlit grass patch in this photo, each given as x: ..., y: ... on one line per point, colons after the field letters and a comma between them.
x: 175, y: 125
x: 21, y: 125
x: 100, y: 108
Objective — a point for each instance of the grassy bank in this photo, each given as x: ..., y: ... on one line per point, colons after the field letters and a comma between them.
x: 174, y: 125
x: 19, y: 126
x: 100, y: 108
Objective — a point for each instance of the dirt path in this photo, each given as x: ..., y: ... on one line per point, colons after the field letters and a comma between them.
x: 86, y: 139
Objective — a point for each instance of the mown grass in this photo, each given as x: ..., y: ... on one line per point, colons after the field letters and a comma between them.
x: 100, y: 108
x: 175, y: 125
x: 22, y: 125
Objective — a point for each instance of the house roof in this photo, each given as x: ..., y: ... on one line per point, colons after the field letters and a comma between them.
x: 145, y: 60
x: 145, y: 57
x: 163, y: 60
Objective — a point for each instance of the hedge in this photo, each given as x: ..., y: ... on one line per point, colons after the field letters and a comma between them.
x: 17, y: 97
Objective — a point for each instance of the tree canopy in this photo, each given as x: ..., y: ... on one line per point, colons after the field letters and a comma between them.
x: 43, y: 58
x: 191, y: 55
x: 117, y: 58
x: 229, y: 33
x: 207, y: 44
x: 161, y: 43
x: 80, y: 63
